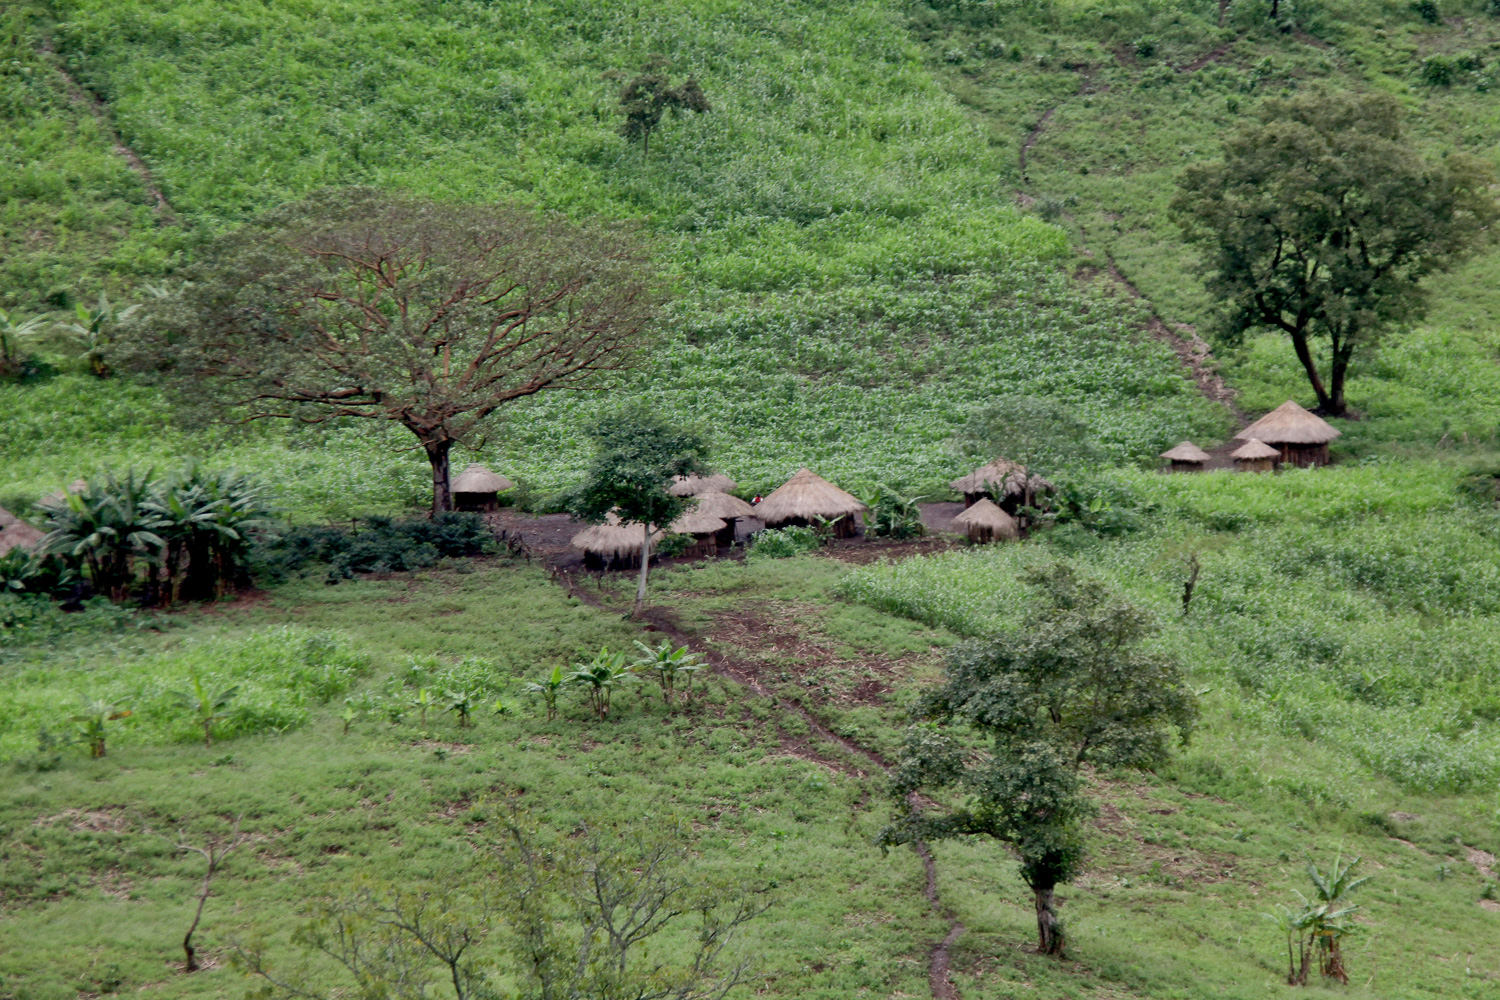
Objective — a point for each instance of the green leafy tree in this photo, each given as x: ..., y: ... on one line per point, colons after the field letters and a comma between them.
x: 206, y: 708
x: 600, y: 677
x: 669, y: 666
x: 92, y: 723
x: 645, y: 98
x: 361, y: 305
x: 549, y: 688
x: 637, y: 457
x: 108, y: 527
x: 1072, y: 686
x: 1318, y: 928
x: 1321, y: 221
x: 205, y: 519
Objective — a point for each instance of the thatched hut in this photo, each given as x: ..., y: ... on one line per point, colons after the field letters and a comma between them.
x: 986, y: 522
x: 16, y: 533
x: 612, y: 544
x: 477, y: 488
x: 1301, y: 437
x: 1187, y: 457
x: 807, y: 499
x: 1255, y: 456
x: 1005, y: 482
x: 725, y: 507
x: 691, y: 486
x: 704, y: 528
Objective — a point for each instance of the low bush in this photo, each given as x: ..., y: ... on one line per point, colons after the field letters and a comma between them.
x: 381, y: 545
x: 783, y: 543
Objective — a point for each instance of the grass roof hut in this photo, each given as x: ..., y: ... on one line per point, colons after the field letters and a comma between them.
x: 692, y: 486
x: 16, y: 533
x: 1003, y: 481
x: 477, y: 488
x: 612, y: 545
x: 704, y: 528
x: 985, y: 522
x: 725, y: 507
x: 1300, y: 436
x: 1187, y: 457
x: 1255, y: 456
x: 808, y: 497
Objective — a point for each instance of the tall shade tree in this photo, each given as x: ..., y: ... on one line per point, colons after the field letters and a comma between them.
x: 1074, y: 686
x: 638, y: 457
x: 1322, y: 220
x: 433, y: 316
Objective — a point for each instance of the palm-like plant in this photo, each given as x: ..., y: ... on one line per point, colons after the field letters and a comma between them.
x: 93, y: 331
x: 205, y: 519
x: 107, y: 526
x: 206, y: 708
x: 549, y: 688
x: 669, y: 666
x: 422, y: 701
x: 461, y: 703
x: 894, y: 516
x: 13, y: 331
x: 1321, y: 924
x: 600, y: 676
x: 92, y: 723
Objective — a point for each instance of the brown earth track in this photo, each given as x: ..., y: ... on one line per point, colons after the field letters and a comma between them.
x: 939, y: 959
x: 96, y: 106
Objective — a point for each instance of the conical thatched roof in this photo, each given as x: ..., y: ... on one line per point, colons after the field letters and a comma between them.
x: 986, y: 513
x: 1186, y: 452
x: 717, y: 504
x: 807, y: 496
x: 1254, y: 449
x: 612, y: 538
x: 478, y: 479
x: 696, y: 523
x: 1290, y: 424
x: 16, y: 533
x: 1002, y: 477
x: 691, y: 486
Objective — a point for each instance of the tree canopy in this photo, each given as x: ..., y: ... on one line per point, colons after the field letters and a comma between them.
x: 434, y: 316
x: 645, y: 98
x: 1321, y: 221
x: 1074, y: 686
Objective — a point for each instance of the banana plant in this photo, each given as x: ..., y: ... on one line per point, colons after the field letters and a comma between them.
x: 13, y: 331
x: 549, y: 688
x: 422, y: 701
x: 599, y: 678
x: 93, y: 331
x: 669, y: 666
x: 462, y: 704
x: 107, y: 526
x: 206, y: 708
x: 350, y: 715
x: 92, y: 723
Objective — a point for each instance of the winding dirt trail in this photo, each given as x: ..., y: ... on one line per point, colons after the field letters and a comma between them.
x: 95, y: 105
x: 939, y: 961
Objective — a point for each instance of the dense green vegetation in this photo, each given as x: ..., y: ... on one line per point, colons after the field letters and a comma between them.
x: 857, y: 260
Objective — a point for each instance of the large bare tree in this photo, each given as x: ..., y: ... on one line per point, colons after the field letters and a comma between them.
x: 433, y: 316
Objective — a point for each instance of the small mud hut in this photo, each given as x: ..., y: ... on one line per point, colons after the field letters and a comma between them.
x: 1187, y: 457
x: 808, y: 499
x: 1255, y: 456
x: 1003, y: 481
x: 16, y: 533
x: 704, y: 528
x: 725, y: 507
x: 985, y: 522
x: 612, y: 545
x: 691, y: 486
x: 477, y: 488
x: 1300, y: 436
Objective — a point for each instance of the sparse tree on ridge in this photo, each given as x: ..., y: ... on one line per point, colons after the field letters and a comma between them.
x: 1072, y: 687
x: 1321, y: 222
x: 432, y: 316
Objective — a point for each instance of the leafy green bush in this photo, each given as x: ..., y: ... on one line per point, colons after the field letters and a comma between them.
x: 37, y: 620
x: 382, y: 545
x: 783, y: 543
x: 894, y: 516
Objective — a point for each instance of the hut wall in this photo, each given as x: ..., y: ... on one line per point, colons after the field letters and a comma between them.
x: 599, y: 562
x: 476, y: 501
x: 703, y: 547
x: 1255, y: 464
x: 725, y: 535
x: 1304, y: 456
x: 845, y: 527
x: 1186, y: 466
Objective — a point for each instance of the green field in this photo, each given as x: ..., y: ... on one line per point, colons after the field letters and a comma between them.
x: 856, y: 260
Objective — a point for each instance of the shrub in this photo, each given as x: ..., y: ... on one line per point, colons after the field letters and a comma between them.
x: 382, y: 545
x: 1439, y: 70
x: 894, y: 516
x: 783, y: 543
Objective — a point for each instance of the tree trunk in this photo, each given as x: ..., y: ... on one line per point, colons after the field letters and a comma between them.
x: 1304, y: 355
x: 640, y: 585
x: 1275, y: 9
x: 442, y: 491
x: 1048, y: 928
